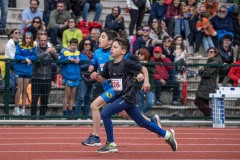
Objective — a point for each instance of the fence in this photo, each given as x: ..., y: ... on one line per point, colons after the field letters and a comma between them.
x: 166, y: 110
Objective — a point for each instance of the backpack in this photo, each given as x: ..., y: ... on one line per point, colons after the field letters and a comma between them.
x: 139, y: 3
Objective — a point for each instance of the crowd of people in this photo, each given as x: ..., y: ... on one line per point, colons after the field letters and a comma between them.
x: 175, y: 30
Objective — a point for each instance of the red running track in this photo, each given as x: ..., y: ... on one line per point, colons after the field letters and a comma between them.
x: 56, y: 142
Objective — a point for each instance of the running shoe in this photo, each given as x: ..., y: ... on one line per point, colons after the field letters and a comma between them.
x: 171, y: 140
x: 109, y: 147
x: 92, y: 140
x: 156, y: 119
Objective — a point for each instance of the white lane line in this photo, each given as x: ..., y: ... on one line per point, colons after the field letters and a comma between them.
x: 120, y: 128
x: 120, y: 138
x: 120, y: 151
x: 119, y: 144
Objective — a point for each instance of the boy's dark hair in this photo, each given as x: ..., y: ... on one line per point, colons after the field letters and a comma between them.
x: 111, y: 34
x: 123, y: 42
x: 228, y: 36
x: 74, y: 40
x: 35, y: 0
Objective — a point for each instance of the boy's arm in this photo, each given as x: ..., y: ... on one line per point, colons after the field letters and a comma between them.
x: 98, y: 77
x: 146, y: 85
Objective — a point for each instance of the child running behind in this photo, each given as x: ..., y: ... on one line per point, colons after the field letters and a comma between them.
x: 121, y: 73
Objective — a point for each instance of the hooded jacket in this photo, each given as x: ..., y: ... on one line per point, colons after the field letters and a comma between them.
x: 234, y: 73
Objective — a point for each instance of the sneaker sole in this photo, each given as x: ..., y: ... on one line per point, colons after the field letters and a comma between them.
x: 92, y: 145
x: 111, y: 151
x: 173, y: 133
x: 158, y: 121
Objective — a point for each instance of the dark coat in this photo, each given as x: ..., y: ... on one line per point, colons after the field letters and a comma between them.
x: 208, y: 75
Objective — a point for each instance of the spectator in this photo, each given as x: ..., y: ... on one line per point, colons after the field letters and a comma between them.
x: 205, y: 26
x: 115, y: 20
x: 144, y: 41
x: 76, y: 6
x: 2, y: 72
x: 136, y: 14
x: 180, y: 53
x: 50, y: 5
x: 144, y: 56
x: 39, y: 33
x: 139, y: 33
x: 3, y: 20
x: 86, y: 84
x: 36, y: 25
x: 235, y: 16
x: 29, y: 13
x: 234, y: 72
x: 167, y: 49
x: 162, y: 78
x: 182, y: 21
x: 158, y: 31
x: 71, y: 32
x: 58, y: 22
x: 223, y: 25
x: 227, y: 55
x: 71, y: 75
x: 25, y: 53
x: 10, y: 50
x: 158, y: 11
x: 42, y: 76
x: 96, y: 6
x: 211, y: 7
x: 172, y: 13
x: 208, y: 81
x: 95, y: 34
x: 196, y: 35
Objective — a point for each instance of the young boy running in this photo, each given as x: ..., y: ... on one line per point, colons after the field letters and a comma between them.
x: 101, y: 56
x: 121, y: 73
x: 71, y: 75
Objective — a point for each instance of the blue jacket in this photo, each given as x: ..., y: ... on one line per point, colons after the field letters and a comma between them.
x: 21, y: 67
x: 157, y: 12
x: 71, y: 71
x: 222, y: 23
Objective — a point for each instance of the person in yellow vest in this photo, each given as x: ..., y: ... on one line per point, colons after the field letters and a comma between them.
x: 2, y: 71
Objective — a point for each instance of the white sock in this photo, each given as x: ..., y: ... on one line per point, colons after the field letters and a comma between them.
x: 23, y: 110
x: 167, y: 135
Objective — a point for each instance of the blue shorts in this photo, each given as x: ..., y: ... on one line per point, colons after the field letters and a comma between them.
x: 71, y: 83
x: 23, y: 76
x: 108, y: 95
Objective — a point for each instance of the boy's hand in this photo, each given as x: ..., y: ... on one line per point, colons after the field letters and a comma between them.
x: 76, y: 61
x: 146, y: 86
x: 90, y: 68
x: 94, y: 75
x: 71, y: 59
x: 140, y: 77
x: 28, y: 61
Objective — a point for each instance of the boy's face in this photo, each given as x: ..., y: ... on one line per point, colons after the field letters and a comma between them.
x: 117, y: 50
x: 104, y: 42
x: 73, y: 46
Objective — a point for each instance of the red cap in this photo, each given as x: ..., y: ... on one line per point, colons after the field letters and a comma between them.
x: 157, y: 49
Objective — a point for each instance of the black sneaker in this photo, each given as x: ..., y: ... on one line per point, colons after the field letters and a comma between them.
x: 171, y: 140
x: 92, y: 140
x: 176, y: 103
x: 3, y: 32
x: 109, y: 147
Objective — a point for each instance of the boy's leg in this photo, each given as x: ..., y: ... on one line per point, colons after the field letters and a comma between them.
x: 65, y: 99
x: 169, y: 136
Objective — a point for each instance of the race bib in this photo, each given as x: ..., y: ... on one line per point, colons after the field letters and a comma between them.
x: 101, y: 67
x: 117, y: 84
